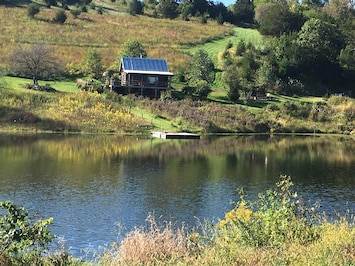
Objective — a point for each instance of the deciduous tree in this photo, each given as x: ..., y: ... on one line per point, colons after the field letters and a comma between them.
x: 319, y: 40
x: 201, y: 67
x: 36, y: 60
x: 277, y: 19
x: 168, y: 9
x: 244, y: 11
x: 32, y: 10
x: 135, y: 7
x: 92, y: 64
x: 133, y: 48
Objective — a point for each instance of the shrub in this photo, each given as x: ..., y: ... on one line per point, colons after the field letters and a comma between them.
x: 157, y: 245
x: 60, y: 17
x: 18, y: 235
x: 75, y: 12
x: 277, y: 217
x: 32, y: 10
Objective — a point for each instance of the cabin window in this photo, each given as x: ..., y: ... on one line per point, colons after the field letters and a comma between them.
x: 152, y: 79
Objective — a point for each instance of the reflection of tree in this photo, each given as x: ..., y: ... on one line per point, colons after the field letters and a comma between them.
x: 110, y: 148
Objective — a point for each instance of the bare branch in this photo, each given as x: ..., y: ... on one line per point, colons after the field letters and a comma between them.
x: 35, y: 61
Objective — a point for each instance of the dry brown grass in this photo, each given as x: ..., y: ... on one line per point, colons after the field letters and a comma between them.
x: 157, y: 245
x: 161, y: 38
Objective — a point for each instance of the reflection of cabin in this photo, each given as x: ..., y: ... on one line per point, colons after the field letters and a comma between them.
x: 144, y: 76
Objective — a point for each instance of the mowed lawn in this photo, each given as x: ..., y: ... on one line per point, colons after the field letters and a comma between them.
x: 19, y: 83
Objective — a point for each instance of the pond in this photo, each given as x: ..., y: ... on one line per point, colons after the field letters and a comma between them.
x: 99, y: 187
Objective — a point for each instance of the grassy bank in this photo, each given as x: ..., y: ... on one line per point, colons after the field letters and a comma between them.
x: 276, y: 229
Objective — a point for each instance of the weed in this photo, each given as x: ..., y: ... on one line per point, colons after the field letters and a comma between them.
x: 277, y: 217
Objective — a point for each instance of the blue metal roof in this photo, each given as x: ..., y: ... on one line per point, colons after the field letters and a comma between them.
x: 144, y: 65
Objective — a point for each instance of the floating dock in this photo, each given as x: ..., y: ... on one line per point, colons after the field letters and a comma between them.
x: 171, y: 135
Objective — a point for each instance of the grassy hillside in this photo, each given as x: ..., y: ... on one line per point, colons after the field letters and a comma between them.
x: 161, y: 38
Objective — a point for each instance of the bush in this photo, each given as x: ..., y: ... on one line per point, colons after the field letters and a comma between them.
x: 32, y: 10
x: 75, y: 12
x: 60, y: 17
x: 157, y: 245
x: 18, y: 235
x: 277, y: 217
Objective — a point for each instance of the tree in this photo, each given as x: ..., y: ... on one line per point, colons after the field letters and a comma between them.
x: 318, y: 48
x: 35, y: 61
x: 200, y: 74
x: 247, y: 66
x: 277, y: 19
x: 319, y: 40
x: 135, y: 7
x: 241, y: 48
x: 264, y: 76
x: 186, y: 9
x: 199, y: 6
x: 201, y: 89
x: 244, y: 11
x: 32, y: 10
x: 168, y: 8
x: 50, y: 3
x: 231, y: 79
x: 201, y: 67
x: 133, y: 48
x: 92, y: 64
x: 283, y: 54
x: 347, y: 58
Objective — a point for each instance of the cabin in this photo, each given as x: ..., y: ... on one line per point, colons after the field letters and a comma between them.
x: 143, y: 76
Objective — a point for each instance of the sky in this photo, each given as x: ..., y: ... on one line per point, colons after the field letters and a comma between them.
x: 225, y: 2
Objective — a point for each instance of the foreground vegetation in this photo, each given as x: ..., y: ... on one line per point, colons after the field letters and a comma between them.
x: 278, y: 228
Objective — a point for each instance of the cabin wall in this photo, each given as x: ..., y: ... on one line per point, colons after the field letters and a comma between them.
x: 145, y: 81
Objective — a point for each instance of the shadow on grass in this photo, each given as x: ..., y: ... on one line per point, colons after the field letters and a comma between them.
x: 15, y: 2
x: 24, y: 119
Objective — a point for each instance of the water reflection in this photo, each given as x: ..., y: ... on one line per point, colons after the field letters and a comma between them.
x: 89, y: 183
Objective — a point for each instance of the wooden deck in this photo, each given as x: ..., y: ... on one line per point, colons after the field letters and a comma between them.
x: 171, y: 135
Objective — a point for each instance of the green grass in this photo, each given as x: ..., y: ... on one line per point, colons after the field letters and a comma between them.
x: 158, y: 123
x: 62, y: 85
x: 309, y: 99
x: 216, y: 47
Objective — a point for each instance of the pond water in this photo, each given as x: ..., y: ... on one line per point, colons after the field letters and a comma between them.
x: 99, y: 187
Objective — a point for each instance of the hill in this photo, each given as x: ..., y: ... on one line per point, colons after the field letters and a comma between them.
x: 162, y: 38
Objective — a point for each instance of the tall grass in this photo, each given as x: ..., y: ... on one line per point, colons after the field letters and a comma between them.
x: 152, y: 245
x: 161, y: 37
